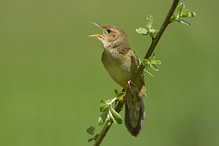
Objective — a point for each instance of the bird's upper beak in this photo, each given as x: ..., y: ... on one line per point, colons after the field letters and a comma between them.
x: 97, y: 35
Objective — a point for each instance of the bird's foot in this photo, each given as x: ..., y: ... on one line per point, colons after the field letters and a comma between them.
x: 129, y: 85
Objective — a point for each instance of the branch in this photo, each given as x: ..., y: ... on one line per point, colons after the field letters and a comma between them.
x: 105, y: 129
x: 154, y: 42
x: 157, y: 38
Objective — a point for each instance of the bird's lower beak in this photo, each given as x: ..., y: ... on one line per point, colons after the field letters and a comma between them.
x: 97, y: 35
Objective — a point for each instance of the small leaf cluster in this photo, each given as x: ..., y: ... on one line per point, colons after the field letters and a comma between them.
x: 91, y: 131
x: 182, y: 12
x: 149, y: 30
x: 109, y: 115
x: 151, y: 62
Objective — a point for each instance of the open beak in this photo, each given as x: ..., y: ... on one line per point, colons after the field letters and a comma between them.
x: 97, y: 35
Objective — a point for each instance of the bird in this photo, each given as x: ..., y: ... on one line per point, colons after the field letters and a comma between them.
x: 121, y: 62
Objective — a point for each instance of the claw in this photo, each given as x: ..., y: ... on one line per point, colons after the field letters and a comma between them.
x: 129, y: 85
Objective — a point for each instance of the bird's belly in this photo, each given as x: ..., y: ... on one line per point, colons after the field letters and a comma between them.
x: 121, y: 74
x: 121, y: 70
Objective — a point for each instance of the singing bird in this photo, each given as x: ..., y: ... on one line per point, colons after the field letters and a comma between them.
x: 121, y: 63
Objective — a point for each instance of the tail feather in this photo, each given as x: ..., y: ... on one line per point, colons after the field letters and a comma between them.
x: 134, y: 108
x: 134, y: 117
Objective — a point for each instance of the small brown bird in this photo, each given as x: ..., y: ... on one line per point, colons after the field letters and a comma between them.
x: 121, y: 63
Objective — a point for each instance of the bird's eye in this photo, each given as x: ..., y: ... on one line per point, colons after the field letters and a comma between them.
x: 109, y: 30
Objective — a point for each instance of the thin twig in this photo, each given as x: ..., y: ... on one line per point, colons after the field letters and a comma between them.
x: 105, y: 129
x: 157, y: 38
x: 154, y: 42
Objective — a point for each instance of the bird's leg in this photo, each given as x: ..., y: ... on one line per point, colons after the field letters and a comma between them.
x: 134, y: 90
x: 129, y: 85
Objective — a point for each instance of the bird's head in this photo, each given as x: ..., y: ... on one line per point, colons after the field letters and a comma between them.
x: 112, y: 36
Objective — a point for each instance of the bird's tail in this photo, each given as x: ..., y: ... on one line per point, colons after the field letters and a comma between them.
x: 135, y: 112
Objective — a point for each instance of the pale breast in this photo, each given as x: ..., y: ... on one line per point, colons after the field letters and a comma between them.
x: 121, y: 67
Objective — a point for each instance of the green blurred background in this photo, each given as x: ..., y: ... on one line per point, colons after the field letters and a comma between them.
x: 52, y: 79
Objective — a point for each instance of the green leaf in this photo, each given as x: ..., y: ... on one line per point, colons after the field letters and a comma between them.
x: 115, y: 92
x: 151, y: 58
x: 102, y: 102
x: 185, y: 14
x: 101, y: 121
x: 189, y: 14
x: 109, y: 122
x: 173, y: 18
x: 149, y: 73
x: 116, y: 117
x: 180, y: 13
x: 91, y: 139
x: 157, y: 62
x: 142, y: 31
x: 149, y: 30
x: 104, y: 117
x: 91, y: 130
x: 111, y: 117
x: 103, y: 105
x: 145, y: 62
x: 154, y: 67
x: 183, y: 21
x: 149, y: 20
x: 120, y: 95
x: 179, y: 10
